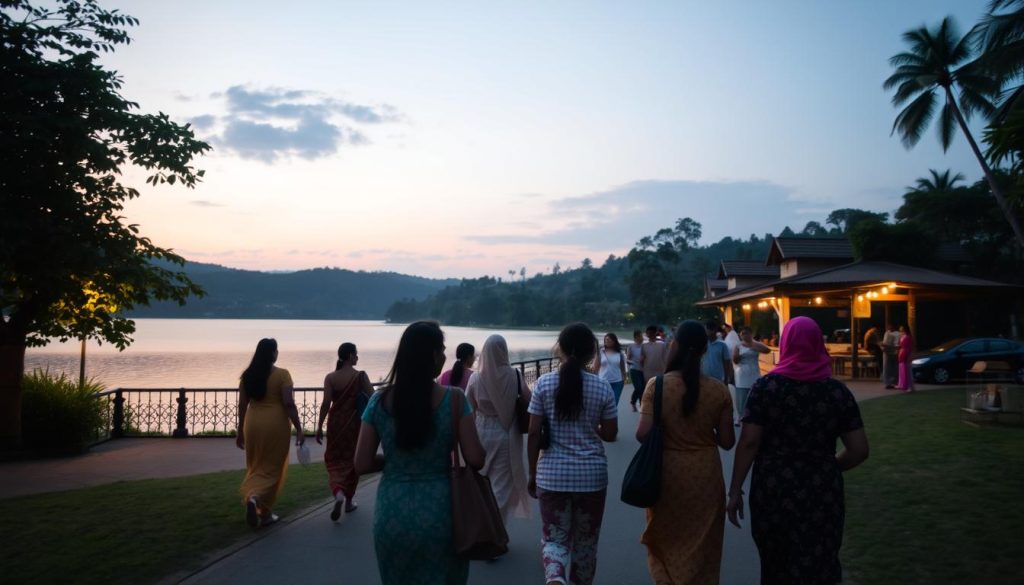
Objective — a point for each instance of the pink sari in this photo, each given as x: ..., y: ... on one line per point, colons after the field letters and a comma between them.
x: 906, y: 354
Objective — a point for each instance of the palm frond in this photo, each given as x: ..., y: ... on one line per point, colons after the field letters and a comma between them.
x: 972, y: 101
x: 902, y: 59
x: 963, y: 49
x: 947, y: 125
x: 909, y: 89
x: 913, y: 120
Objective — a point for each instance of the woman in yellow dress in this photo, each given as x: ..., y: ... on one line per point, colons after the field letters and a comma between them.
x: 685, y: 527
x: 265, y: 405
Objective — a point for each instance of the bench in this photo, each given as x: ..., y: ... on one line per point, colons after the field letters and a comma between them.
x: 992, y: 402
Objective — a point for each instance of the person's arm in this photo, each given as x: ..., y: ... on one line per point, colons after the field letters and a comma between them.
x: 533, y: 451
x: 288, y: 399
x: 726, y: 432
x: 760, y: 347
x: 855, y: 449
x: 608, y: 429
x: 472, y: 450
x: 736, y: 354
x: 730, y: 375
x: 622, y: 366
x: 325, y: 407
x: 243, y: 405
x: 746, y: 451
x: 644, y: 426
x: 367, y: 460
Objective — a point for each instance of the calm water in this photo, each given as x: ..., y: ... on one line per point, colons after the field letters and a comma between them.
x: 211, y: 353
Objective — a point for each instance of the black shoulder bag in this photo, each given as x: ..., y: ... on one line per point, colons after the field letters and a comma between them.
x: 642, y: 483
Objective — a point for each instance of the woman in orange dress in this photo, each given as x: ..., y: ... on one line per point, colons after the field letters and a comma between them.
x: 339, y: 407
x: 685, y: 527
x: 265, y: 406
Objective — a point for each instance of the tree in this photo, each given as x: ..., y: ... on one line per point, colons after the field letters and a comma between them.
x: 1002, y: 46
x: 940, y: 60
x: 847, y: 219
x: 68, y: 262
x: 903, y: 243
x: 814, y: 229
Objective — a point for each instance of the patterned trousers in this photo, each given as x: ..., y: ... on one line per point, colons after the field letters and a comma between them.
x: 571, y: 527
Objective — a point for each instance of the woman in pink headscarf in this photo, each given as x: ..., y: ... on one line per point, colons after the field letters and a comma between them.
x: 903, y: 358
x: 792, y: 419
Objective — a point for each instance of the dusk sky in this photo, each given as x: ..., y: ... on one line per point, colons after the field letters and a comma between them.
x: 460, y: 139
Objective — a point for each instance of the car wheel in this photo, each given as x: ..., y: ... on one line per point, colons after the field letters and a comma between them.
x: 940, y: 375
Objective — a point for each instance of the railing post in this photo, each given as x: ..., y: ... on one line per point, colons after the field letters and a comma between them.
x: 180, y: 430
x: 118, y: 431
x: 537, y: 365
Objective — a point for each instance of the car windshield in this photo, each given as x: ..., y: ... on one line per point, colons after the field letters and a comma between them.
x: 948, y: 345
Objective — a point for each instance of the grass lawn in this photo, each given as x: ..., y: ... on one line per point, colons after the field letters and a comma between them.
x: 938, y: 501
x: 135, y: 531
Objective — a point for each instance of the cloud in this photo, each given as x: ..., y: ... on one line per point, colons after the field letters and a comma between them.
x: 205, y: 203
x: 618, y: 217
x: 273, y: 123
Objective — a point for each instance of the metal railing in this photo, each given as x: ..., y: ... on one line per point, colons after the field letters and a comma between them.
x: 197, y: 412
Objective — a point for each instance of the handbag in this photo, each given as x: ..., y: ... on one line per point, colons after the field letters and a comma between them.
x: 362, y: 400
x: 522, y: 406
x: 478, y: 532
x: 641, y: 485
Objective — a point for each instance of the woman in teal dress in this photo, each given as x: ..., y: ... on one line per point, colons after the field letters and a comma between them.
x: 412, y: 418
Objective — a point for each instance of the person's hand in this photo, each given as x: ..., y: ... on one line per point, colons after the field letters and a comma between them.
x: 300, y: 437
x: 240, y: 440
x: 735, y: 508
x: 531, y: 487
x: 320, y: 436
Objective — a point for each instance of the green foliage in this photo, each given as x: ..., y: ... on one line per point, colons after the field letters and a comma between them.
x: 845, y: 220
x: 902, y: 243
x: 58, y: 415
x: 68, y: 262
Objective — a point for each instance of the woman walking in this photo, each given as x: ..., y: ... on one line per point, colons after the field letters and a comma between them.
x: 747, y: 362
x: 265, y: 406
x: 611, y: 364
x: 462, y: 369
x: 342, y: 390
x: 577, y: 410
x: 793, y: 417
x: 493, y: 392
x: 904, y: 357
x: 635, y: 359
x: 412, y: 418
x: 685, y: 527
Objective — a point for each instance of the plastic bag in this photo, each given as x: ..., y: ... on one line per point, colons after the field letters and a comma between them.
x: 302, y: 454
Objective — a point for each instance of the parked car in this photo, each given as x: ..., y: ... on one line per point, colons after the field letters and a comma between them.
x: 952, y: 359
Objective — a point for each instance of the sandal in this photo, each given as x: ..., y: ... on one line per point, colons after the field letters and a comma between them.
x: 339, y: 499
x: 252, y: 516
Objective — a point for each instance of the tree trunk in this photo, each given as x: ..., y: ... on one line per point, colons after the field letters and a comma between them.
x: 12, y: 369
x: 1004, y: 205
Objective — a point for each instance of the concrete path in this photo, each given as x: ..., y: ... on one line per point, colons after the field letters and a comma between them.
x: 312, y: 549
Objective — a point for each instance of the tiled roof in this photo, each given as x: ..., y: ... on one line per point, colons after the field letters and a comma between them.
x: 731, y: 268
x: 786, y: 248
x: 865, y: 273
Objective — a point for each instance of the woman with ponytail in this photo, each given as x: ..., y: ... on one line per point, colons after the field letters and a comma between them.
x: 570, y: 478
x: 265, y: 406
x: 465, y: 355
x: 342, y: 388
x: 412, y: 418
x: 685, y: 527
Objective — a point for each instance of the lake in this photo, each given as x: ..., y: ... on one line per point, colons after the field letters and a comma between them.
x: 211, y: 353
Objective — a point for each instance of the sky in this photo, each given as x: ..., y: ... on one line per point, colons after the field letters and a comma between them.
x: 458, y: 139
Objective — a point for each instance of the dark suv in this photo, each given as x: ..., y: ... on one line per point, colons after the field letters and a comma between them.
x: 952, y: 359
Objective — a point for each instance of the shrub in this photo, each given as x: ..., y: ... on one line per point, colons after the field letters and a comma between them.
x: 58, y: 415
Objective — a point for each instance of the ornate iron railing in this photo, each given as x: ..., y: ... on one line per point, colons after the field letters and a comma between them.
x: 194, y: 412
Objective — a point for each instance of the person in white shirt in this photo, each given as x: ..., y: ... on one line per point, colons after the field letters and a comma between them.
x: 611, y: 364
x: 747, y: 366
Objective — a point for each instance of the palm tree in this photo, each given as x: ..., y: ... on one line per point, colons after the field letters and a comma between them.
x: 938, y: 183
x: 941, y: 60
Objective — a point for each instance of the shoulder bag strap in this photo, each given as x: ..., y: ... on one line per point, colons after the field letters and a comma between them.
x: 657, y: 398
x: 519, y: 383
x: 453, y: 397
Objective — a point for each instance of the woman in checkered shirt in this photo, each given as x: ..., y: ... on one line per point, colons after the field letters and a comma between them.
x: 570, y: 477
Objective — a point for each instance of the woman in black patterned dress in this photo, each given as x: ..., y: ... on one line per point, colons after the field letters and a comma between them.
x: 792, y: 420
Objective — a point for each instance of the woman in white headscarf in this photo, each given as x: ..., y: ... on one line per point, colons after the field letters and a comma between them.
x: 493, y: 391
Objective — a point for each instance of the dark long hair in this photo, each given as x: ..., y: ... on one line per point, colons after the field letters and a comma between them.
x: 578, y: 346
x: 345, y: 351
x: 254, y: 378
x: 462, y: 352
x: 411, y: 382
x: 615, y: 342
x: 690, y: 344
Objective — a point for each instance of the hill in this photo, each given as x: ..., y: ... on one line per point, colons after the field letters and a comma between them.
x: 319, y: 293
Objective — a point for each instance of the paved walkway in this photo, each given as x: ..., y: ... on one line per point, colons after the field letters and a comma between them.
x: 312, y: 549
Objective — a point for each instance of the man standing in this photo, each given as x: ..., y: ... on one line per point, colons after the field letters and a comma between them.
x: 717, y: 361
x: 655, y: 353
x: 890, y: 347
x: 871, y: 345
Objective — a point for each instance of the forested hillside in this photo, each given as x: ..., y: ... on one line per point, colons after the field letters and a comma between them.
x: 320, y: 293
